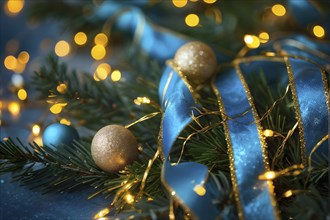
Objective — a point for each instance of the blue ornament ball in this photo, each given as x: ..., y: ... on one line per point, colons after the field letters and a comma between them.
x: 59, y: 134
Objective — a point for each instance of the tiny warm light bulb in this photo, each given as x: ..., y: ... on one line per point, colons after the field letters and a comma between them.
x: 62, y: 48
x: 14, y: 6
x: 116, y: 75
x: 101, y: 39
x: 251, y: 41
x: 278, y: 10
x: 22, y: 94
x: 80, y: 38
x: 56, y: 108
x: 318, y: 31
x: 288, y: 193
x: 14, y: 108
x: 62, y: 88
x: 23, y: 57
x: 173, y: 193
x: 129, y: 198
x: 192, y: 20
x: 10, y: 62
x: 269, y: 175
x: 179, y: 3
x: 268, y: 133
x: 98, y: 52
x: 102, y: 213
x: 65, y: 121
x: 141, y: 100
x: 200, y: 190
x: 35, y: 130
x: 263, y: 37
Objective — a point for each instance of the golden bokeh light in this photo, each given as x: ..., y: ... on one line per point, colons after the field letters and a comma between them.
x: 22, y: 94
x: 65, y: 121
x: 23, y: 57
x: 101, y: 39
x: 101, y: 74
x: 318, y: 31
x: 263, y: 37
x: 80, y: 38
x: 35, y: 130
x: 10, y: 62
x: 192, y: 20
x: 105, y: 66
x: 278, y: 10
x: 179, y: 3
x: 62, y: 48
x: 269, y: 175
x: 102, y: 213
x: 268, y: 133
x: 102, y: 71
x: 129, y: 198
x: 14, y: 7
x: 251, y: 41
x: 56, y: 108
x: 62, y: 88
x: 288, y: 193
x: 116, y: 75
x: 98, y: 52
x: 14, y: 108
x: 209, y: 1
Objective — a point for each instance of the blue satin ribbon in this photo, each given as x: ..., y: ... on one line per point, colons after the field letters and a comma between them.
x: 181, y: 179
x: 253, y: 195
x: 159, y: 43
x: 312, y: 103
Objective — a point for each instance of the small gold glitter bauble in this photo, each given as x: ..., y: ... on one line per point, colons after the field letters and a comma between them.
x: 196, y: 61
x: 113, y: 147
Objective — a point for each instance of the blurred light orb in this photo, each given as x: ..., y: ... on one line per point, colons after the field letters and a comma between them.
x: 14, y: 108
x: 263, y: 37
x: 251, y: 41
x: 14, y: 6
x: 17, y: 80
x: 35, y: 130
x: 192, y: 20
x: 101, y: 39
x: 23, y: 57
x: 10, y: 62
x: 62, y: 48
x: 22, y: 94
x: 209, y: 1
x: 80, y: 38
x: 98, y: 52
x: 179, y: 3
x: 116, y: 75
x: 278, y: 10
x: 318, y: 31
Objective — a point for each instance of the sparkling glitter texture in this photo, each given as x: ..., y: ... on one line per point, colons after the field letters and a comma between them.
x: 113, y: 147
x: 196, y: 61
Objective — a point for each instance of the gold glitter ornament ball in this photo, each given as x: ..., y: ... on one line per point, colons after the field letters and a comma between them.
x: 113, y: 147
x: 196, y: 61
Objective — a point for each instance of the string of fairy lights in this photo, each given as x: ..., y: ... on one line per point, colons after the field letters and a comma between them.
x: 98, y: 52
